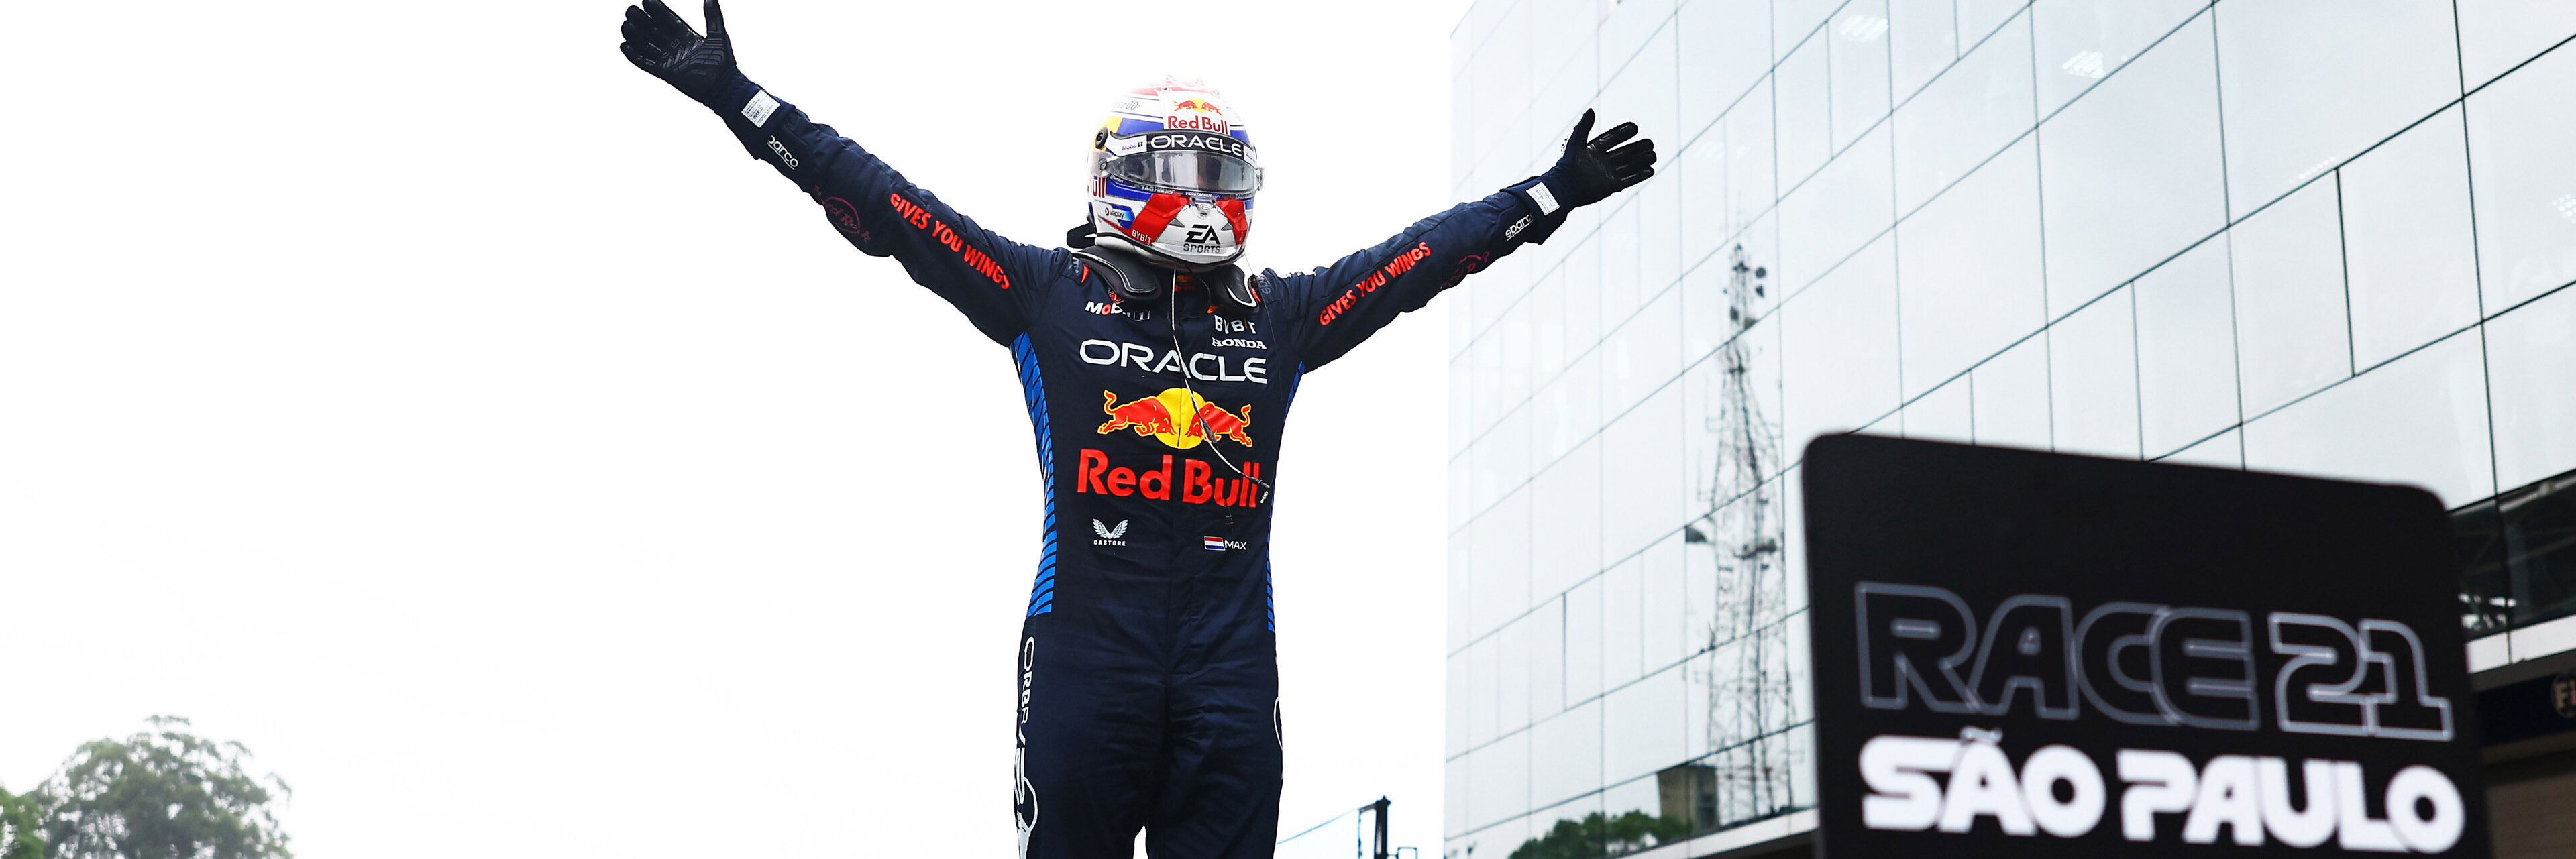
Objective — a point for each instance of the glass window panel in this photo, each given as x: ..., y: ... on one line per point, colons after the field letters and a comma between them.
x: 1620, y: 290
x: 1501, y: 771
x: 1968, y: 270
x: 1547, y: 659
x: 1510, y: 440
x: 1501, y: 588
x: 2131, y: 174
x: 2011, y: 394
x: 1642, y: 355
x: 1459, y: 481
x: 1923, y: 37
x: 1546, y: 303
x: 2093, y: 379
x: 1622, y: 645
x: 1659, y: 220
x: 1626, y: 31
x: 1793, y: 21
x: 2496, y: 35
x: 1502, y: 74
x: 2531, y: 354
x: 1704, y: 307
x: 1976, y: 108
x: 1512, y: 691
x: 1582, y: 270
x: 1453, y: 799
x: 1642, y: 726
x: 1569, y: 830
x: 1497, y: 840
x: 1805, y: 114
x: 1838, y: 345
x: 1641, y: 490
x: 1634, y: 822
x: 1455, y: 742
x: 1750, y: 182
x: 2408, y: 253
x: 1701, y: 173
x: 1649, y: 83
x: 2519, y: 128
x: 1942, y: 415
x: 1481, y: 682
x: 1725, y: 48
x: 1462, y: 128
x: 2186, y: 349
x: 1842, y: 208
x: 2224, y: 450
x: 1857, y: 55
x: 1461, y: 587
x: 1565, y: 755
x: 1977, y: 18
x: 1568, y: 408
x: 2291, y: 331
x: 2308, y: 83
x: 1516, y: 335
x: 1461, y: 415
x: 1583, y: 641
x: 1568, y: 550
x: 2080, y: 42
x: 2421, y: 419
x: 1662, y: 631
x: 1554, y: 20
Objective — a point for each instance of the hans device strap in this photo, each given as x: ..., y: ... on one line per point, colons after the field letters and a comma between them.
x: 1234, y: 294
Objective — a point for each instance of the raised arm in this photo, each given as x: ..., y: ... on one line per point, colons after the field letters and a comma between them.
x: 1334, y: 308
x: 987, y: 277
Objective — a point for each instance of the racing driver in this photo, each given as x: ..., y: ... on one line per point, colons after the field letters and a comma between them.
x: 1158, y: 374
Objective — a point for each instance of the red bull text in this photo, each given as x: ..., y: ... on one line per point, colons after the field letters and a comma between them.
x: 1198, y: 481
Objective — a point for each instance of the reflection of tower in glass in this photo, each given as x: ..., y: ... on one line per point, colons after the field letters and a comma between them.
x: 1749, y: 705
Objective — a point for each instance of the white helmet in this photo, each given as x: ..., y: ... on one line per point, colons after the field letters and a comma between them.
x: 1172, y: 177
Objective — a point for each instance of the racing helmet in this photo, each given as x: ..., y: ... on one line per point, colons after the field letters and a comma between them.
x: 1173, y: 172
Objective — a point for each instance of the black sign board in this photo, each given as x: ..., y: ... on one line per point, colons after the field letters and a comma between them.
x: 2029, y: 654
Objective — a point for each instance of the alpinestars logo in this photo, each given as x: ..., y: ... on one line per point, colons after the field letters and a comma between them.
x: 1109, y: 535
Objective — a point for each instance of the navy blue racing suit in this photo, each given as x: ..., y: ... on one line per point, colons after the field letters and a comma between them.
x: 1148, y: 681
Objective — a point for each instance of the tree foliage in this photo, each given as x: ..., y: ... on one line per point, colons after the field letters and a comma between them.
x: 1597, y: 835
x: 22, y: 817
x: 161, y: 794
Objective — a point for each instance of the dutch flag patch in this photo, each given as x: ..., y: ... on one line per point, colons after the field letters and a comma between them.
x: 1213, y: 544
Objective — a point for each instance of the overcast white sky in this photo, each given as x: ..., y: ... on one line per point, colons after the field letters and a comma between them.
x: 423, y: 396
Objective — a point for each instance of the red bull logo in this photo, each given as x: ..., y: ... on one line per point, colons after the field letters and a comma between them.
x: 1196, y: 481
x: 1176, y: 417
x: 1195, y: 113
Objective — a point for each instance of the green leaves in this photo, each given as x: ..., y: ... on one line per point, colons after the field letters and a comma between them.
x: 159, y: 794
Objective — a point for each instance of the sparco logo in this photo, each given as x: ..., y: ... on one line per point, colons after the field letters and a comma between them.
x: 783, y: 157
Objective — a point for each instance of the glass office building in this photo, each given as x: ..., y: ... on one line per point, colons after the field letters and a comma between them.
x: 2329, y: 237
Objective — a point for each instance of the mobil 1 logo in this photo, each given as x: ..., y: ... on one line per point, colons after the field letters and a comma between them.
x: 2028, y: 654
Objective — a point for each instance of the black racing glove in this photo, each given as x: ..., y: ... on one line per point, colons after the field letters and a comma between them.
x: 1592, y: 169
x: 700, y: 67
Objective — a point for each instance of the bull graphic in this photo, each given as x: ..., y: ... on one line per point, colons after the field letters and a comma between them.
x: 1146, y: 416
x: 1213, y: 422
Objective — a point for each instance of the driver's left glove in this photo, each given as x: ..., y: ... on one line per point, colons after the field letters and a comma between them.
x: 1592, y: 169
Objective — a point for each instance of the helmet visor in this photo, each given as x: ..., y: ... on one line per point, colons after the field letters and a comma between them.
x: 1187, y: 171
